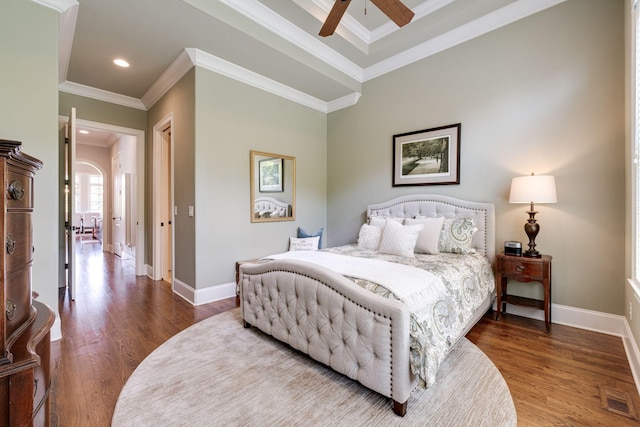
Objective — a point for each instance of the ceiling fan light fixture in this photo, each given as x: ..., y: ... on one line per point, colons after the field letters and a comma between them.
x: 121, y: 62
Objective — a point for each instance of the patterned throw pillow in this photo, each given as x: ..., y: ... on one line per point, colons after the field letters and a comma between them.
x: 369, y: 237
x: 304, y: 244
x: 398, y: 239
x: 456, y: 236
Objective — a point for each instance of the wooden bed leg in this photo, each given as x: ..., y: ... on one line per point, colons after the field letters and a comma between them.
x: 400, y: 408
x: 246, y: 324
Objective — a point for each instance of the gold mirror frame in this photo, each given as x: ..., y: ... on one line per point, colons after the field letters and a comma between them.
x: 279, y: 183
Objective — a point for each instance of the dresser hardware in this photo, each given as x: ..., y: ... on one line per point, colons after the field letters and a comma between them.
x: 11, y: 244
x: 35, y: 387
x: 11, y: 309
x: 520, y: 268
x: 16, y: 190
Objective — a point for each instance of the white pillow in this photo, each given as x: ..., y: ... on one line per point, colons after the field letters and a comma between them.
x: 398, y: 239
x: 429, y: 237
x: 457, y: 235
x: 304, y: 243
x: 369, y: 237
x: 379, y: 221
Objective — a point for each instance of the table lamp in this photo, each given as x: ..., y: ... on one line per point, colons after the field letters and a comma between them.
x: 533, y: 189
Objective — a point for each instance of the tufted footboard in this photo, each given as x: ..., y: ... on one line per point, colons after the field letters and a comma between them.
x: 321, y: 313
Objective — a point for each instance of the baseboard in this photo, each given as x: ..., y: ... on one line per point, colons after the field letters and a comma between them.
x: 576, y: 317
x: 206, y: 295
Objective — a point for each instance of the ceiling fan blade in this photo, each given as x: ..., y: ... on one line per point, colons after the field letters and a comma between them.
x: 395, y: 10
x: 334, y: 17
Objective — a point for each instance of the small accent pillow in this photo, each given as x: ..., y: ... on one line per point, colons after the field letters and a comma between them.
x: 303, y: 234
x: 369, y: 237
x: 304, y: 244
x: 398, y: 239
x: 456, y: 236
x: 429, y: 237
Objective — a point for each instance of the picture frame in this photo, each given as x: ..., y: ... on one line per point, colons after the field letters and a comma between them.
x: 270, y: 175
x: 427, y: 157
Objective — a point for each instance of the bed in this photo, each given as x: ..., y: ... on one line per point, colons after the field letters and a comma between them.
x: 270, y: 207
x: 335, y: 306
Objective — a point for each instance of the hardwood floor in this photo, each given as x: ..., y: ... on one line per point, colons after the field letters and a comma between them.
x: 115, y: 322
x: 118, y: 319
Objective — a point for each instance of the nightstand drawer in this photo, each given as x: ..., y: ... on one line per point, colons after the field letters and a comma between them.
x: 518, y: 267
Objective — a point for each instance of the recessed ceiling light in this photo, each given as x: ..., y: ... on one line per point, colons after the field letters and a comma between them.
x: 121, y: 62
x: 84, y: 132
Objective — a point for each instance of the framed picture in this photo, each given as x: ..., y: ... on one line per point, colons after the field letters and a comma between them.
x: 427, y: 157
x: 270, y: 176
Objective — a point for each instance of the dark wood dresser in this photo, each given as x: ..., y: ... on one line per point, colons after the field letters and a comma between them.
x: 24, y: 324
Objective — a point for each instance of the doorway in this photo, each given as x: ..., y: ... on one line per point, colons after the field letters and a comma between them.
x: 164, y: 210
x: 135, y: 151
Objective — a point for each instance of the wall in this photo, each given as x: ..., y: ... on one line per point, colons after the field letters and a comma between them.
x: 545, y: 94
x: 179, y: 101
x: 231, y: 119
x: 28, y: 113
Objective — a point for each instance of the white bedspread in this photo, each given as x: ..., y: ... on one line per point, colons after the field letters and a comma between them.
x: 416, y: 288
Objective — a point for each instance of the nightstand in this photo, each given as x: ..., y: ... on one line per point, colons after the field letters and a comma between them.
x: 523, y: 269
x: 238, y: 264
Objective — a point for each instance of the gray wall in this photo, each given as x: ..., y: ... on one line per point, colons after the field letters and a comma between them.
x: 543, y: 95
x: 28, y: 113
x: 179, y: 100
x: 231, y: 119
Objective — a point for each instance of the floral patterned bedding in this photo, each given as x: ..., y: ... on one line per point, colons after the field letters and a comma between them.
x: 436, y: 327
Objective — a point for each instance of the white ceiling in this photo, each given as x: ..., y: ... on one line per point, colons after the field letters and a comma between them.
x: 271, y: 44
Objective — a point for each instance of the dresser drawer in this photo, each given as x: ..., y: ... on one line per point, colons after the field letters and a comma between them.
x: 516, y: 267
x: 19, y: 194
x: 18, y: 291
x: 18, y: 246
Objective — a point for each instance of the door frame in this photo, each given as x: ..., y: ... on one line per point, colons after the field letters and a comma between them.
x: 158, y: 129
x: 141, y: 269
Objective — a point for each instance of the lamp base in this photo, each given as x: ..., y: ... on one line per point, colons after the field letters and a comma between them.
x: 531, y: 227
x: 532, y: 254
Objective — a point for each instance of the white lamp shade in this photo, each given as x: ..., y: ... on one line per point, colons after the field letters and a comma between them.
x: 533, y: 189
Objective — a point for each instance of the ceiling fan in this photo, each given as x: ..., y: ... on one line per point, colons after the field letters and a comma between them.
x: 394, y: 9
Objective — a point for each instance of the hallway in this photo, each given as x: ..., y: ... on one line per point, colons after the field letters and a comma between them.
x: 115, y: 322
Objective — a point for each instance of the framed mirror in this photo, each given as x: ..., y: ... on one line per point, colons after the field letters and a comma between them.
x: 273, y: 187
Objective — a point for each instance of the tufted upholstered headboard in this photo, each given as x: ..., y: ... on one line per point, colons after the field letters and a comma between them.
x: 433, y: 205
x: 275, y: 207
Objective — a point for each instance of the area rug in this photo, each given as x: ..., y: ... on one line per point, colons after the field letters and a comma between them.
x: 218, y: 373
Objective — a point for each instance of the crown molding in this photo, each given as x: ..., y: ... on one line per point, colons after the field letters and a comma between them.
x: 66, y: 31
x: 233, y: 71
x: 174, y: 72
x: 58, y: 5
x: 101, y: 95
x: 487, y: 23
x: 344, y: 102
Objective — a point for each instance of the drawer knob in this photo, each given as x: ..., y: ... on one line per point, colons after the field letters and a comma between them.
x: 15, y: 190
x: 11, y: 244
x: 11, y: 309
x: 520, y: 268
